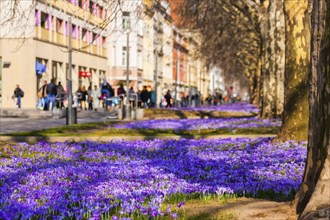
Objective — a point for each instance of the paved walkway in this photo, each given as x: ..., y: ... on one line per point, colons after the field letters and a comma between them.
x: 46, y: 120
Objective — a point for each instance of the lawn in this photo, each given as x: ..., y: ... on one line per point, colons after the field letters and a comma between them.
x: 142, y: 179
x: 165, y: 127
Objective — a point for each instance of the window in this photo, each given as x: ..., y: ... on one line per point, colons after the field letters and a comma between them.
x: 101, y: 11
x: 104, y: 42
x: 84, y: 34
x: 95, y: 39
x: 101, y: 76
x: 81, y: 69
x: 44, y: 20
x: 123, y: 59
x: 55, y: 66
x: 126, y: 20
x: 91, y: 7
x: 67, y: 71
x: 37, y: 17
x: 74, y: 31
x: 139, y: 59
x: 59, y: 26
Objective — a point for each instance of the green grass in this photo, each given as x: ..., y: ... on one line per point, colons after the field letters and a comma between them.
x: 104, y: 129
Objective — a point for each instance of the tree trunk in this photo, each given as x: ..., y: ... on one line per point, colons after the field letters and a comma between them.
x: 313, y: 197
x: 295, y: 114
x: 255, y: 84
x: 279, y: 56
x: 272, y: 75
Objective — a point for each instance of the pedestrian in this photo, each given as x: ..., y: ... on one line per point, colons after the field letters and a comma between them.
x: 168, y: 98
x: 145, y: 96
x: 132, y: 96
x: 83, y: 99
x: 18, y: 94
x: 51, y: 93
x: 96, y: 98
x: 121, y: 94
x: 230, y: 94
x: 152, y: 96
x: 60, y: 96
x: 89, y: 98
x: 106, y: 93
x: 42, y: 95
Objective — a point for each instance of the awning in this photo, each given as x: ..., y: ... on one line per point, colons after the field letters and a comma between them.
x: 40, y: 68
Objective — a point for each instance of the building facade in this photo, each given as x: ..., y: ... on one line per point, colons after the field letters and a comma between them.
x: 43, y: 47
x: 161, y: 55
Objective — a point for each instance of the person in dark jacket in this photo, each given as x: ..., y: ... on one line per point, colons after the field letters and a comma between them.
x: 51, y: 93
x: 107, y: 92
x: 145, y: 96
x: 121, y: 93
x: 168, y: 98
x: 60, y: 96
x: 19, y: 94
x: 121, y: 90
x: 84, y: 95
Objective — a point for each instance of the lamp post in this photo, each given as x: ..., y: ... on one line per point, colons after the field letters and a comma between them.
x: 70, y: 116
x: 127, y: 109
x: 177, y: 78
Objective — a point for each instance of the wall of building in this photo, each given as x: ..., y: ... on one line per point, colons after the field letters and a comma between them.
x: 21, y: 71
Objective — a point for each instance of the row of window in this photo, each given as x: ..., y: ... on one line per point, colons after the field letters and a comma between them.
x: 90, y: 6
x: 62, y: 27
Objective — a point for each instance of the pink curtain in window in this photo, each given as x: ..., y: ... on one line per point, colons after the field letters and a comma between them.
x: 85, y: 4
x: 97, y: 11
x: 94, y: 9
x: 66, y: 28
x: 74, y: 31
x: 48, y: 22
x: 37, y: 18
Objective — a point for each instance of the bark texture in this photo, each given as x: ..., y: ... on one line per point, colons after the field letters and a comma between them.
x: 272, y: 70
x: 295, y: 114
x: 313, y: 197
x: 279, y: 56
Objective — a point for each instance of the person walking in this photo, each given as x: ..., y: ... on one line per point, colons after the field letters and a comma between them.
x: 90, y: 98
x: 60, y: 96
x: 121, y: 94
x: 106, y: 92
x: 18, y: 94
x: 83, y: 99
x: 132, y: 97
x: 96, y: 96
x: 42, y: 95
x: 51, y: 93
x: 145, y: 97
x: 168, y: 98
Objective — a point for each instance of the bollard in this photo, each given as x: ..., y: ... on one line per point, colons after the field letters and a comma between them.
x: 73, y: 116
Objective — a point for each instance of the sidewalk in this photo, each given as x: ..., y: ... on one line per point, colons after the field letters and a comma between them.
x: 17, y: 120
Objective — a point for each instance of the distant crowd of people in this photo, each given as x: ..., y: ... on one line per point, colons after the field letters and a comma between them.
x: 51, y: 95
x: 218, y: 98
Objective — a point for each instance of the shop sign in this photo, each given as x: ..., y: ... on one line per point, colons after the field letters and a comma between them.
x: 85, y: 74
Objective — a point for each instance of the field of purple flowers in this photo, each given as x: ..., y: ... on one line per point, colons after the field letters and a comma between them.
x: 234, y: 107
x: 199, y: 124
x: 134, y: 179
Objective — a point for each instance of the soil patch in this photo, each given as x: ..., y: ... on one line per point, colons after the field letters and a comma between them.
x: 240, y: 209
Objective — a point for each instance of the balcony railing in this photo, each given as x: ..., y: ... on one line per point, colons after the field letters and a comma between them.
x: 61, y: 39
